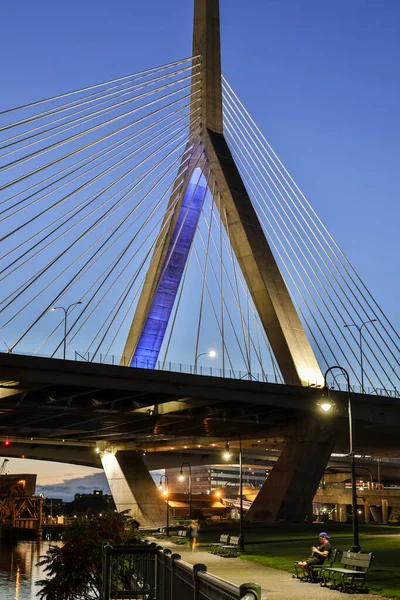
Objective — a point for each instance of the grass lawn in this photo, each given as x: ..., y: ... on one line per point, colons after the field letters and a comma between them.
x: 279, y: 546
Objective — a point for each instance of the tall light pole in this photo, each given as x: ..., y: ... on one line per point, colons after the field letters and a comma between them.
x: 227, y: 455
x: 66, y: 311
x: 326, y: 404
x: 360, y: 327
x: 166, y: 493
x: 211, y: 354
x: 181, y: 478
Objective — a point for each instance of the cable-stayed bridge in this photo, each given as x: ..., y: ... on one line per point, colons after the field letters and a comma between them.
x: 155, y: 213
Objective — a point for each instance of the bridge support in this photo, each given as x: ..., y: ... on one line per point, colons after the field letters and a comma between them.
x: 341, y: 513
x: 367, y: 511
x: 292, y: 483
x: 385, y: 511
x: 133, y: 488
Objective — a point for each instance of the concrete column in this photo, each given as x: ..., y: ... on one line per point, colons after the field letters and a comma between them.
x: 133, y: 488
x: 367, y: 511
x: 342, y: 513
x: 376, y: 512
x: 292, y: 483
x: 385, y: 511
x: 337, y: 512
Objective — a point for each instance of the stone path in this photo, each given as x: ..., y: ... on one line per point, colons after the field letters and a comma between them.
x: 275, y: 584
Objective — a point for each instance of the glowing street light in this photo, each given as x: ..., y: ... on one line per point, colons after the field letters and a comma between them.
x: 227, y: 452
x: 210, y: 354
x: 181, y: 478
x: 326, y: 404
x: 165, y: 493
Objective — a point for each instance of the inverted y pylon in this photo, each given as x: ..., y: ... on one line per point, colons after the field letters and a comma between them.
x: 277, y: 313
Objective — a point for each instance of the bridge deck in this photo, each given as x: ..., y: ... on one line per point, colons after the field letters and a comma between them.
x: 87, y: 402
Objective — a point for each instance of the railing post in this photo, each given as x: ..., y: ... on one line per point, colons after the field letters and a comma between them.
x: 196, y: 568
x: 167, y: 579
x: 250, y: 591
x: 174, y: 557
x: 106, y: 591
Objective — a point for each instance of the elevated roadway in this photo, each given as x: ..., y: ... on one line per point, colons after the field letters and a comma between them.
x: 139, y: 419
x: 86, y: 403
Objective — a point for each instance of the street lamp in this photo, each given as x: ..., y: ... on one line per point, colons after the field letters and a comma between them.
x: 165, y: 492
x: 181, y: 478
x: 66, y: 311
x: 361, y: 348
x: 227, y: 455
x: 227, y: 452
x: 211, y: 354
x: 327, y: 404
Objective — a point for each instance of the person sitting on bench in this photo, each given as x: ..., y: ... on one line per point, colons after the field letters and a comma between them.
x: 319, y: 554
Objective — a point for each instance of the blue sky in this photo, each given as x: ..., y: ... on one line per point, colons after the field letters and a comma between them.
x: 320, y: 78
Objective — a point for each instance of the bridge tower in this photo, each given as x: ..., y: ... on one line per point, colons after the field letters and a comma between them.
x: 288, y: 492
x: 212, y: 155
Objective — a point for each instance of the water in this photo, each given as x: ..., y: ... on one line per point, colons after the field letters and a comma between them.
x: 18, y: 572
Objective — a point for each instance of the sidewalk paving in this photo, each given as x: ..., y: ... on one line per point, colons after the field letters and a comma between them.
x: 275, y: 584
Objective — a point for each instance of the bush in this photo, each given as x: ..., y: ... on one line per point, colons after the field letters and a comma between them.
x: 74, y: 570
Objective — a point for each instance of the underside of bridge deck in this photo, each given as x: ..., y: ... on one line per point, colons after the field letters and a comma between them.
x: 72, y: 407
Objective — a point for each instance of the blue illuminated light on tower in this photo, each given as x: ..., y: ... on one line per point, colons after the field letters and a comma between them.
x: 152, y: 336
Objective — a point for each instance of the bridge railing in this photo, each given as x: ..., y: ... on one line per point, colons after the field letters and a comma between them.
x: 210, y: 371
x: 111, y: 359
x: 149, y: 572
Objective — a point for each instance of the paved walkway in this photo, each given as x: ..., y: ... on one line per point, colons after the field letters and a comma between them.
x: 275, y: 584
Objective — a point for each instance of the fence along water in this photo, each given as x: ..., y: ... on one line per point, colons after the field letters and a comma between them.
x: 148, y: 572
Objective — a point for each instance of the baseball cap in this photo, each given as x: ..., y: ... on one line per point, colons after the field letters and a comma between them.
x: 324, y: 534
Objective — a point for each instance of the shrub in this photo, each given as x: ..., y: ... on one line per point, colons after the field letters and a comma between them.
x: 74, y: 570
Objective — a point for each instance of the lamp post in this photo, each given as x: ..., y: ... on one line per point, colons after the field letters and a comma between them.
x: 360, y: 327
x: 165, y: 492
x: 326, y: 404
x: 66, y: 311
x: 227, y: 455
x: 181, y: 478
x: 211, y: 354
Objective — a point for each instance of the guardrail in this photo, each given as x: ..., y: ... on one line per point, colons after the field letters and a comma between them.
x: 210, y: 371
x: 148, y: 572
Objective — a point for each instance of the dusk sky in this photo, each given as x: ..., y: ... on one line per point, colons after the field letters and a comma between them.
x: 319, y: 77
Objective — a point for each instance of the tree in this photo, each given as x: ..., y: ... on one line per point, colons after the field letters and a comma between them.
x: 74, y: 570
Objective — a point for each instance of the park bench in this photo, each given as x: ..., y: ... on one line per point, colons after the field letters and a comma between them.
x: 231, y: 548
x: 216, y: 546
x: 162, y: 532
x: 351, y: 575
x: 182, y: 537
x: 315, y: 570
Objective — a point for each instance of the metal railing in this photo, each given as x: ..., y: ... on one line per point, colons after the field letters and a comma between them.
x: 148, y: 572
x: 210, y: 371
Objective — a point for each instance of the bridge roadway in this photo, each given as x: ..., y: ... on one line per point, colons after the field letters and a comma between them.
x: 63, y: 410
x: 86, y: 402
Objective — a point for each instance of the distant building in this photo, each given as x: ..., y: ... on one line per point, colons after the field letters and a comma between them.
x: 95, y: 502
x: 206, y: 479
